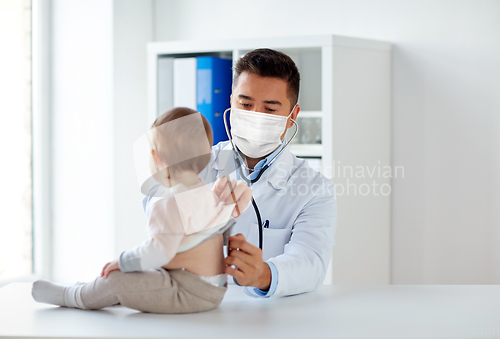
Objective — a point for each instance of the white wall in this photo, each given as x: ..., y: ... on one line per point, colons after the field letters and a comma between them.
x: 82, y: 137
x: 133, y: 28
x: 445, y: 114
x: 99, y: 110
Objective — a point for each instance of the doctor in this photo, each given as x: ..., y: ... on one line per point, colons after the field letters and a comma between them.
x: 297, y: 204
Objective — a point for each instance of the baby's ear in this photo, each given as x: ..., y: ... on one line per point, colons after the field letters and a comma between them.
x: 155, y: 157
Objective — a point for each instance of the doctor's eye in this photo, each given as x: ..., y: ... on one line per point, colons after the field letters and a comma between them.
x: 271, y: 110
x: 245, y: 105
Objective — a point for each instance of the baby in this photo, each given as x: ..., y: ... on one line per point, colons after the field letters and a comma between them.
x: 180, y: 268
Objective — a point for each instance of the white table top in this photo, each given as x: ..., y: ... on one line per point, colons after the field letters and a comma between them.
x: 375, y: 311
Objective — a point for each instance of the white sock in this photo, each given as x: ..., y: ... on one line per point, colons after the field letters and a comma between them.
x: 47, y: 292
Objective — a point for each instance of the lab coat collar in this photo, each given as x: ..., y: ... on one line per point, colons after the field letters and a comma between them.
x: 277, y: 174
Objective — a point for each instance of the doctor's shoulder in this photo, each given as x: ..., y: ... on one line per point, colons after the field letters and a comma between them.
x: 221, y: 145
x: 222, y: 158
x: 209, y: 173
x: 222, y: 152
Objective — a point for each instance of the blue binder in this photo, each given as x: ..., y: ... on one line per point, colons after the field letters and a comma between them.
x: 213, y: 91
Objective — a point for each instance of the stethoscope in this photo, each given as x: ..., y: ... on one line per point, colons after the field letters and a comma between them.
x: 253, y: 181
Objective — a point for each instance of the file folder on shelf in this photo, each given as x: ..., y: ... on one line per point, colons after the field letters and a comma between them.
x: 185, y: 82
x: 165, y: 84
x: 213, y: 92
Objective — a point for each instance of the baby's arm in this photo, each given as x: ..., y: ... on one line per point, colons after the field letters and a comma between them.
x: 142, y: 258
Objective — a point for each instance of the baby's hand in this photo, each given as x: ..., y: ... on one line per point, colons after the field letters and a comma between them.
x: 242, y: 194
x: 109, y: 267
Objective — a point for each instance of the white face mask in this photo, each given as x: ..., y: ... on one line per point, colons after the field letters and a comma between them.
x: 257, y: 134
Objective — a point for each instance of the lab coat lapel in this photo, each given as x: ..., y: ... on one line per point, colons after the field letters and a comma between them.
x: 276, y: 176
x: 280, y: 171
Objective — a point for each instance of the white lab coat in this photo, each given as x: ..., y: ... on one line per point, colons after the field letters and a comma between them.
x: 301, y: 208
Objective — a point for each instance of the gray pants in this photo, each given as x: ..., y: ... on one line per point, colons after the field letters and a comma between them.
x: 154, y: 291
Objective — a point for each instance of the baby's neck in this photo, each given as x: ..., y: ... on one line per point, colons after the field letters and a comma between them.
x: 186, y: 178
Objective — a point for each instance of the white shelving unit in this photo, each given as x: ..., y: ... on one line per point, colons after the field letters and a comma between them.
x: 345, y: 82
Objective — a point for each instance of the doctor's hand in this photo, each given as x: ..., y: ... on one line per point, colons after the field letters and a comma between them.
x: 250, y: 269
x: 242, y: 194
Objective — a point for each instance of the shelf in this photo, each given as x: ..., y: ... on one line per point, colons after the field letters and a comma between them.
x: 307, y: 150
x: 310, y: 114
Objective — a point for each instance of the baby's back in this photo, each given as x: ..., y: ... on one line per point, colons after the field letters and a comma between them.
x: 205, y: 259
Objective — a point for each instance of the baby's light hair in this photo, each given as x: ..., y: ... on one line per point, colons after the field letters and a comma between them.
x: 181, y: 140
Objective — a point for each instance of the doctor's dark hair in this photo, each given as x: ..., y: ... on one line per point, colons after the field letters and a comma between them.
x: 267, y: 62
x: 186, y: 138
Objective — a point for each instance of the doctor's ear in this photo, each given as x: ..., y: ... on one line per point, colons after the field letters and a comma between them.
x: 293, y: 115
